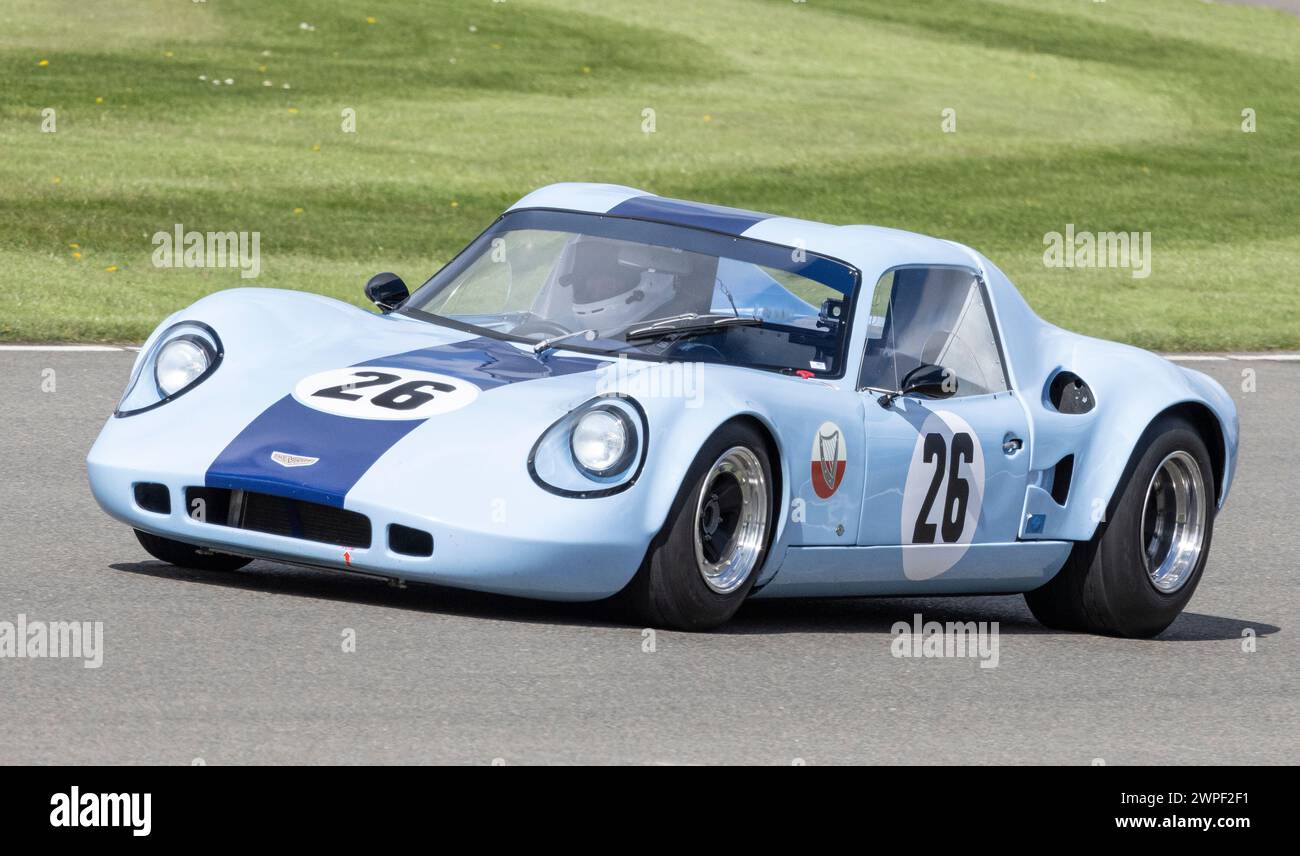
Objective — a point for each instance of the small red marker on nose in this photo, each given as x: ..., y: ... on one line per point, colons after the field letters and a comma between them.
x: 347, y: 558
x: 804, y: 373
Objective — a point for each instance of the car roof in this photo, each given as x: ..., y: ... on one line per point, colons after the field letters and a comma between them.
x: 871, y: 249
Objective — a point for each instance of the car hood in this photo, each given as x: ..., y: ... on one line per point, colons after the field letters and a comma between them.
x: 271, y: 435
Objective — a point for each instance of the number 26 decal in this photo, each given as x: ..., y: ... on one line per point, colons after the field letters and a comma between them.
x: 947, y: 459
x: 943, y: 496
x: 384, y: 393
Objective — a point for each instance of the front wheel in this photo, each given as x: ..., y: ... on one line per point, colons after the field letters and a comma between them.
x: 188, y: 555
x: 701, y: 566
x: 1140, y: 569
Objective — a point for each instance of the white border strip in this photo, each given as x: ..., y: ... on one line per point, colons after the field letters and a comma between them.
x: 1275, y: 358
x: 78, y: 348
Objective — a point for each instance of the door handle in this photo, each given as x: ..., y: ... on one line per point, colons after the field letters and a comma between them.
x: 1012, y: 444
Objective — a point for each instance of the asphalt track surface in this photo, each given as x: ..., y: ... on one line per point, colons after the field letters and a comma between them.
x: 249, y: 667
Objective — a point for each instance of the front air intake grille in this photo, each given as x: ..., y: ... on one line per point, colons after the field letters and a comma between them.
x: 409, y: 542
x: 276, y: 515
x: 154, y: 497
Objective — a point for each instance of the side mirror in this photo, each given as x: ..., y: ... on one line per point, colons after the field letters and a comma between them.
x: 387, y: 291
x: 930, y: 381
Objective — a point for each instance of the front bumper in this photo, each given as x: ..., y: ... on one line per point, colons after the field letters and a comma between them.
x: 533, y: 545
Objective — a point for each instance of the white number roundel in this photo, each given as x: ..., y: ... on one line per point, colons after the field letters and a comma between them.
x: 943, y: 497
x: 380, y: 392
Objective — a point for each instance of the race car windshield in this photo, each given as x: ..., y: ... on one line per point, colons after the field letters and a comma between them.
x: 618, y: 285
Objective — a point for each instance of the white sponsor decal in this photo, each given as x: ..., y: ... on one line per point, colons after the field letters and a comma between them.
x: 943, y: 497
x: 381, y: 392
x: 829, y: 459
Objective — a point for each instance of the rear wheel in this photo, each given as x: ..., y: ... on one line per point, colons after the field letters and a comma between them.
x: 188, y: 555
x: 702, y: 565
x: 1140, y: 569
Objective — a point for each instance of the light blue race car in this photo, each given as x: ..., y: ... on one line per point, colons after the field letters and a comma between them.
x: 613, y: 394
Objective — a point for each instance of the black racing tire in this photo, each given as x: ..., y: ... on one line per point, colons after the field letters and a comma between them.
x: 1104, y: 587
x: 188, y: 555
x: 670, y: 589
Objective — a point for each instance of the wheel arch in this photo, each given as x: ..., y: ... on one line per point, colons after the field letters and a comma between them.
x: 1211, y: 430
x: 1206, y: 425
x: 774, y: 458
x: 776, y: 461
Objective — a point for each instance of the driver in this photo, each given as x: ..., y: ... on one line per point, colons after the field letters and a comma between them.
x: 610, y: 291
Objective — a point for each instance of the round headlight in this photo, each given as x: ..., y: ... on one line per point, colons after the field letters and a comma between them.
x: 180, y: 362
x: 603, y: 441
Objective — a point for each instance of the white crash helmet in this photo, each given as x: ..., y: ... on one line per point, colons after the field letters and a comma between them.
x: 615, y: 285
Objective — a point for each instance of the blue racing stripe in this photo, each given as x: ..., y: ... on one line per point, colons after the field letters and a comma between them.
x: 347, y: 447
x: 486, y: 363
x: 731, y: 221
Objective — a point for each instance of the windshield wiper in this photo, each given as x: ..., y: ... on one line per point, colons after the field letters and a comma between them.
x: 693, y: 325
x: 548, y: 343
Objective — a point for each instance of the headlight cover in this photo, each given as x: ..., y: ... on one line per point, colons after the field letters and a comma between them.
x: 180, y: 362
x: 182, y: 356
x: 603, y: 441
x: 596, y: 449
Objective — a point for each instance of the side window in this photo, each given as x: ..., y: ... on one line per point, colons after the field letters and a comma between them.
x: 931, y: 316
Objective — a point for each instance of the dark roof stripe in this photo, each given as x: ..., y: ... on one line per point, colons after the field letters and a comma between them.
x: 731, y: 221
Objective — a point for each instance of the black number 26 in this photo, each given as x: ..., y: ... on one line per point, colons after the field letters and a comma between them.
x: 954, y: 507
x: 406, y: 396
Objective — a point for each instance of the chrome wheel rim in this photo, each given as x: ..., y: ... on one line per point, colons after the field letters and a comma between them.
x: 1173, y: 522
x: 731, y: 520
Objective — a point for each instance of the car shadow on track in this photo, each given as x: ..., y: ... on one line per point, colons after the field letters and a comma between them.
x: 756, y: 617
x: 298, y: 581
x: 859, y: 615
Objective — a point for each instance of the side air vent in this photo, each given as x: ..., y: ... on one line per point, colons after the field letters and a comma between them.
x: 1069, y: 394
x: 1061, y: 475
